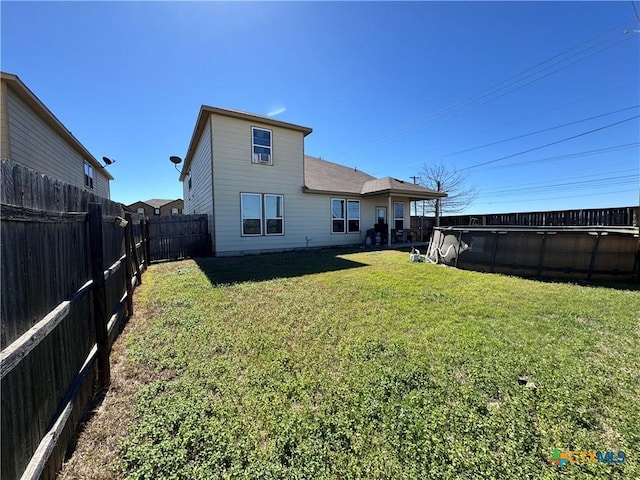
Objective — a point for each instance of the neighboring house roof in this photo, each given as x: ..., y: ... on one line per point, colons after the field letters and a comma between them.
x: 27, y: 96
x: 203, y: 116
x: 159, y: 202
x: 156, y: 202
x: 321, y: 176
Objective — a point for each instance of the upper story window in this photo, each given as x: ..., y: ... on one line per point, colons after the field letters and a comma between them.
x: 157, y: 211
x: 88, y: 176
x: 174, y: 211
x: 261, y: 146
x: 140, y: 211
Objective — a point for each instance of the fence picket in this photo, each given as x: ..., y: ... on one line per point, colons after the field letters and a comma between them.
x: 48, y: 295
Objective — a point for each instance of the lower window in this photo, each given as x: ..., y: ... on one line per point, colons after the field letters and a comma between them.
x: 345, y: 216
x: 398, y: 215
x: 262, y: 214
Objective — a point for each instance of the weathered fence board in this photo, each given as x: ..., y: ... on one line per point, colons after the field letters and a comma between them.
x: 51, y: 313
x: 173, y: 237
x: 624, y: 216
x: 68, y: 273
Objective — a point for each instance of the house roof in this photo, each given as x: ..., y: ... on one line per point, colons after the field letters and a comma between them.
x: 203, y: 116
x: 398, y: 187
x: 27, y: 96
x: 322, y: 176
x: 156, y: 202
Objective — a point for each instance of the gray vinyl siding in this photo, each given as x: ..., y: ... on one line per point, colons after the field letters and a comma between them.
x: 34, y: 144
x: 199, y: 199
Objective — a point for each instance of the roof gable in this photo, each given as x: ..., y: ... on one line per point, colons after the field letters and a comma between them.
x: 203, y: 117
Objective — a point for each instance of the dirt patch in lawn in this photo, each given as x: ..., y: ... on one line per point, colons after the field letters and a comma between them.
x: 96, y: 454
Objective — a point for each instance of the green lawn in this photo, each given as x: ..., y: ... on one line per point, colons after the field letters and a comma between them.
x: 366, y: 366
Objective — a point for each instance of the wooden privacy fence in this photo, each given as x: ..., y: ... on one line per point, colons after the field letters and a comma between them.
x: 172, y: 237
x: 68, y: 272
x: 422, y: 227
x: 69, y: 263
x: 624, y: 216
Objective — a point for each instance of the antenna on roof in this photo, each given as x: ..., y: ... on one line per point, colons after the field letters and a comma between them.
x: 355, y: 169
x: 107, y: 161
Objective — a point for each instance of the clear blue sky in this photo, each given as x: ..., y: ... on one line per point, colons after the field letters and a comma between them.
x: 386, y: 87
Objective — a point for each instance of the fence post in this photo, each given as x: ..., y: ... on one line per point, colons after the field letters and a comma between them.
x: 99, y: 294
x: 147, y: 241
x: 129, y: 258
x: 132, y: 242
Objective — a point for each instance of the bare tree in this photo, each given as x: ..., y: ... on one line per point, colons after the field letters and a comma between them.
x: 446, y: 179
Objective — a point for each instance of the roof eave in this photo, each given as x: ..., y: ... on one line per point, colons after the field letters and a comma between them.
x: 203, y: 117
x: 257, y: 118
x: 403, y: 193
x: 18, y: 86
x: 306, y: 189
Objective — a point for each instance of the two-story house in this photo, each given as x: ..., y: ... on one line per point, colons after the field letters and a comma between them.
x: 32, y: 136
x: 157, y: 206
x: 250, y: 174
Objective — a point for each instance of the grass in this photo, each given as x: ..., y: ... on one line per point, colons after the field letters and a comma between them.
x: 366, y: 366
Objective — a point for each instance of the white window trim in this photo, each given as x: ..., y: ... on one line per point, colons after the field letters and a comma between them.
x: 350, y: 219
x: 253, y: 145
x: 346, y: 217
x: 89, y: 177
x: 266, y: 219
x: 343, y: 218
x: 242, y: 218
x: 263, y: 215
x: 395, y: 219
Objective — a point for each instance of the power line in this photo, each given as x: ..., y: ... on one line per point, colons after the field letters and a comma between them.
x: 568, y: 155
x: 573, y: 102
x: 608, y: 193
x: 598, y: 182
x: 540, y: 131
x: 459, y: 107
x: 545, y: 183
x: 550, y: 144
x: 635, y: 10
